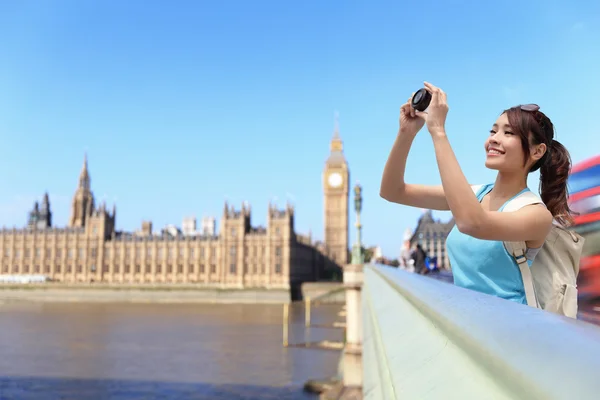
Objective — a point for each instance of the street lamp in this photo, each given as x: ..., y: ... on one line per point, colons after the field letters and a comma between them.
x: 358, y: 256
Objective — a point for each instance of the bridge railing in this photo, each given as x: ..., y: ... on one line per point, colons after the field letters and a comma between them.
x: 424, y: 339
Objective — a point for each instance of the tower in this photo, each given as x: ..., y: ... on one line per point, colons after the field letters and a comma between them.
x: 235, y: 225
x: 34, y: 216
x: 335, y: 198
x: 45, y: 212
x: 83, y: 200
x: 40, y: 217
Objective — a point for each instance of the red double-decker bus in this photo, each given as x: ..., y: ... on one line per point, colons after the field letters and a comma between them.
x: 584, y: 191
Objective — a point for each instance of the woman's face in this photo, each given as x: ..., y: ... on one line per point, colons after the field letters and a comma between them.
x: 503, y: 148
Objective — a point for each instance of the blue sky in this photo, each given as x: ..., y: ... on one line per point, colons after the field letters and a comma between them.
x: 181, y: 105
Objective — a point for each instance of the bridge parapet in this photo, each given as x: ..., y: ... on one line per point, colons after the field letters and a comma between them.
x: 424, y: 339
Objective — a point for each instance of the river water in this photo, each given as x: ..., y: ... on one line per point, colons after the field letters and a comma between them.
x: 153, y: 351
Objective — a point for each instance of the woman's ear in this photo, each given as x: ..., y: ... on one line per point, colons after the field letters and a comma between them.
x: 538, y: 151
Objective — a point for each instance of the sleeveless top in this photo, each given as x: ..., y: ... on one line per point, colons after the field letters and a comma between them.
x: 485, y: 265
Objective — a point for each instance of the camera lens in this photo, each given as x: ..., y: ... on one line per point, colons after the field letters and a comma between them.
x: 421, y: 100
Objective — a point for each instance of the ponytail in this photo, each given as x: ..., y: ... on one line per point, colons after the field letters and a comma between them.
x: 555, y: 166
x: 534, y: 128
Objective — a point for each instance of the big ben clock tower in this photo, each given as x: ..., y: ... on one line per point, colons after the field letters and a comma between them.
x: 335, y: 196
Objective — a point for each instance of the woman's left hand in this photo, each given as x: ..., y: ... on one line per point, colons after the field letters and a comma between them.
x: 437, y: 110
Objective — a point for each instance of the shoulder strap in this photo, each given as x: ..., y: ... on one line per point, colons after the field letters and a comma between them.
x: 518, y: 250
x: 524, y: 199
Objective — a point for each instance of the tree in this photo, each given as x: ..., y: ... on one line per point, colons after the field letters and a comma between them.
x: 368, y: 253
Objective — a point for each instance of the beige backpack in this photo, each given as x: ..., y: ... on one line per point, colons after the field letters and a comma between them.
x: 551, y: 281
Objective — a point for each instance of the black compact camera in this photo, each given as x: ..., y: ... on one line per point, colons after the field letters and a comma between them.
x: 421, y: 100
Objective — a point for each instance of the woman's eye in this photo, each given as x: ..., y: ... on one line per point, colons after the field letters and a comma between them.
x: 508, y: 133
x: 492, y: 132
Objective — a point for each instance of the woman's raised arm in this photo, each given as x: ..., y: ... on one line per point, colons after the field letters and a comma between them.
x: 393, y: 188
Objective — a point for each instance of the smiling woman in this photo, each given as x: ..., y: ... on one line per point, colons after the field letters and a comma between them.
x: 521, y: 141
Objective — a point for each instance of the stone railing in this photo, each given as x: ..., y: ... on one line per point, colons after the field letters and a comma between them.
x: 424, y: 339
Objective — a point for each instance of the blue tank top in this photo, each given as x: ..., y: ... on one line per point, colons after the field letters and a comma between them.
x: 485, y: 265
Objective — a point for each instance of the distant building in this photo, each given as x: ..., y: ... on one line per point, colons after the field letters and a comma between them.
x: 91, y: 249
x: 336, y: 186
x: 209, y: 226
x: 146, y: 229
x: 172, y: 231
x: 431, y: 235
x: 376, y: 254
x: 40, y: 218
x: 188, y: 227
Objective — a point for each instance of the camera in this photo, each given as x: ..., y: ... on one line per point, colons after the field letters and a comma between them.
x: 421, y: 100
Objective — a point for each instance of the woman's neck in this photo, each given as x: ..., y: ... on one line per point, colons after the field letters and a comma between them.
x: 508, y: 184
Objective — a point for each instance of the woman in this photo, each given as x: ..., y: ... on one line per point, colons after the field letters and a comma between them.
x: 520, y: 141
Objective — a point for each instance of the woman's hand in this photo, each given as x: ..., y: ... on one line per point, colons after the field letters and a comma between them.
x: 411, y: 121
x: 437, y: 110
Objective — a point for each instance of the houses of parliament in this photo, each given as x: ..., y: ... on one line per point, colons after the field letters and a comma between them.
x: 90, y: 249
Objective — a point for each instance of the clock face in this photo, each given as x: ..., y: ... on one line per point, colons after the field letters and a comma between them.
x: 335, y: 179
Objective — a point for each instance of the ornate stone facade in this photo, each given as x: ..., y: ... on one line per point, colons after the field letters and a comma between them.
x: 91, y: 250
x: 336, y: 176
x: 431, y: 235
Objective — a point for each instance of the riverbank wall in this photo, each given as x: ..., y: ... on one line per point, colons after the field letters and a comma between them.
x: 324, y: 292
x: 142, y: 294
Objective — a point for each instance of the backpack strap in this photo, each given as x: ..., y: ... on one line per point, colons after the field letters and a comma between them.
x: 518, y: 250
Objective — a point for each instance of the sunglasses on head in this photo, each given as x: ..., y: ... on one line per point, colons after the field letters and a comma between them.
x: 530, y: 107
x: 537, y: 116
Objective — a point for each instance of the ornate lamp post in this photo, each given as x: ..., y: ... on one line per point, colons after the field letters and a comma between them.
x: 353, y: 281
x: 358, y: 256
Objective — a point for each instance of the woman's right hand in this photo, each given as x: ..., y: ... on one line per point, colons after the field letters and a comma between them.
x: 411, y: 121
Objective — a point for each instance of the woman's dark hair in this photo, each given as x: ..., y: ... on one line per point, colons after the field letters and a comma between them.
x: 534, y: 127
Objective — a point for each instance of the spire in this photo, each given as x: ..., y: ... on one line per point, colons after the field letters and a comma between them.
x: 336, y: 125
x: 336, y: 154
x: 45, y: 213
x: 84, y: 169
x: 83, y: 200
x: 84, y: 176
x: 336, y: 141
x: 426, y: 215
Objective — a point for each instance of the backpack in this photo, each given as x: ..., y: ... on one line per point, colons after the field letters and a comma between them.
x: 551, y: 281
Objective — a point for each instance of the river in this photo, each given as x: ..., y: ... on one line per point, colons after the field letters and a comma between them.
x: 159, y: 351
